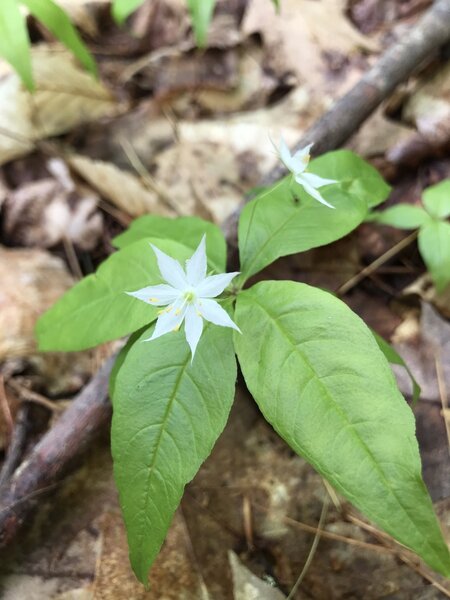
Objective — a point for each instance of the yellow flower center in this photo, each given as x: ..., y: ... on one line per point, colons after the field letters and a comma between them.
x: 189, y: 297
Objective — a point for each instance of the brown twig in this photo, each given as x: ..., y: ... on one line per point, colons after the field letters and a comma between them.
x: 51, y: 458
x: 402, y: 552
x: 5, y: 410
x: 370, y: 269
x: 31, y: 396
x: 90, y: 411
x: 16, y: 446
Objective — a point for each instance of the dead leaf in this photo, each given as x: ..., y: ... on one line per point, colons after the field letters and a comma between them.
x: 424, y: 288
x: 379, y: 136
x: 31, y: 282
x: 122, y: 188
x: 249, y: 587
x: 303, y: 35
x: 251, y: 89
x: 66, y: 96
x: 201, y: 178
x: 429, y: 108
x: 421, y: 342
x: 44, y: 213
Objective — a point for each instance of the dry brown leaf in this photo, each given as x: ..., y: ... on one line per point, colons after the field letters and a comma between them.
x: 305, y: 31
x: 46, y: 212
x: 201, y: 178
x: 379, y: 136
x: 425, y: 289
x: 122, y: 188
x: 429, y: 108
x: 422, y: 343
x: 66, y: 96
x: 32, y: 280
x: 251, y: 90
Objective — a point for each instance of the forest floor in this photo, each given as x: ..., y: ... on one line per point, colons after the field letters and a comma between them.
x: 172, y: 130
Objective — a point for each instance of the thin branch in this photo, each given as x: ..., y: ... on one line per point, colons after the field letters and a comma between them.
x: 16, y: 446
x: 52, y: 457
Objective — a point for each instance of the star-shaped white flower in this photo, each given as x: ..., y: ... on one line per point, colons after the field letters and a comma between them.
x: 187, y: 296
x: 297, y: 165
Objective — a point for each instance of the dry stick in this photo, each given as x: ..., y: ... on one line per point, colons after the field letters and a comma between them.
x: 409, y: 561
x: 28, y: 395
x: 16, y: 446
x: 52, y: 456
x: 5, y: 411
x: 443, y: 394
x: 348, y: 285
x: 312, y: 552
x: 90, y: 411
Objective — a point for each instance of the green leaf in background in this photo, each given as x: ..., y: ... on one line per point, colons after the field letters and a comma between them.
x: 436, y: 200
x: 168, y: 413
x: 185, y: 230
x: 395, y: 359
x: 402, y: 216
x: 58, y: 23
x: 14, y: 41
x: 277, y: 4
x: 121, y: 9
x: 277, y: 224
x: 97, y: 309
x: 434, y: 246
x: 201, y: 14
x: 354, y: 174
x: 320, y: 379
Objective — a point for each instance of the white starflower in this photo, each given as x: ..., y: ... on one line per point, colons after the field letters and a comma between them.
x: 297, y: 165
x: 187, y: 296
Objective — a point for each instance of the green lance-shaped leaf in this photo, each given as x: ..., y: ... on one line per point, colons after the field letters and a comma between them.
x: 97, y: 309
x: 58, y: 23
x: 185, y: 230
x: 285, y: 220
x: 14, y: 40
x: 167, y: 415
x: 320, y: 379
x: 436, y: 200
x: 121, y: 9
x: 434, y: 246
x: 402, y: 216
x: 354, y: 174
x: 201, y: 14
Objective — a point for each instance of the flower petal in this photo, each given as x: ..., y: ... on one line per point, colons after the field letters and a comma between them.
x: 196, y: 265
x: 214, y: 285
x: 157, y: 295
x: 170, y: 269
x: 285, y: 153
x: 169, y: 320
x: 213, y: 312
x: 301, y: 158
x: 193, y: 328
x: 316, y: 181
x: 312, y: 191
